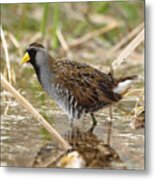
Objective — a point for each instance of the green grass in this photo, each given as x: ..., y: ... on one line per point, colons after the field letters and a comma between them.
x: 55, y: 24
x: 25, y: 20
x: 44, y: 21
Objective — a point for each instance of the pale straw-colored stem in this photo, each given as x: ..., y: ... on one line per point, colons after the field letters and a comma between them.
x: 4, y: 43
x: 128, y: 50
x: 62, y: 40
x: 126, y: 39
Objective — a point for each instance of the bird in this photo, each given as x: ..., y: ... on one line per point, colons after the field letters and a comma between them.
x: 76, y: 87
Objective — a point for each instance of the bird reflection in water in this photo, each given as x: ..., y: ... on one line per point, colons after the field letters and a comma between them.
x: 87, y: 152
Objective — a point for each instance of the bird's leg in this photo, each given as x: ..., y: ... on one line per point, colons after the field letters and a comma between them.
x: 93, y: 119
x: 109, y: 125
x: 71, y: 123
x: 73, y: 132
x: 94, y: 122
x: 111, y: 70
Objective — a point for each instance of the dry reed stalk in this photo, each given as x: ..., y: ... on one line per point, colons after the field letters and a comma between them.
x: 64, y: 44
x: 4, y: 43
x: 137, y: 109
x: 93, y: 34
x: 134, y: 92
x: 62, y: 40
x: 6, y: 109
x: 55, y: 135
x: 123, y: 41
x: 128, y: 50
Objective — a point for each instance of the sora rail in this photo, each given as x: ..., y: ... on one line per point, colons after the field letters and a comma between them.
x: 76, y: 87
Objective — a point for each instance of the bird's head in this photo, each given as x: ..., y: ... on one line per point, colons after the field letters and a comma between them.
x: 35, y: 54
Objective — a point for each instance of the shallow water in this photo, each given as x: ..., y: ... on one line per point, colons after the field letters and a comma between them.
x: 22, y: 136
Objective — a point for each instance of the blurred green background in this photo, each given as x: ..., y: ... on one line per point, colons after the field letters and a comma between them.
x: 74, y: 19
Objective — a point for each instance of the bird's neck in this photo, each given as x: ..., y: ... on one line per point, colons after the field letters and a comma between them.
x: 44, y: 75
x: 38, y: 72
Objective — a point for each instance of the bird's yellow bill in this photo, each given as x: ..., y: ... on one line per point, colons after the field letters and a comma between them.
x: 25, y: 59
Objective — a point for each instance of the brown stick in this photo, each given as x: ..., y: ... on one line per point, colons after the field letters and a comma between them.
x: 93, y: 34
x: 56, y: 136
x: 128, y: 50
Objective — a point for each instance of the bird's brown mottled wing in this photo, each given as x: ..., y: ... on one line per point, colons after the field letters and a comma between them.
x: 88, y: 85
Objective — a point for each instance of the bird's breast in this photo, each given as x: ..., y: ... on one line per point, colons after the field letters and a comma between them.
x: 62, y: 96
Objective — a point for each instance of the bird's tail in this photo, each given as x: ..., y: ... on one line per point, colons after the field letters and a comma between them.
x: 123, y: 84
